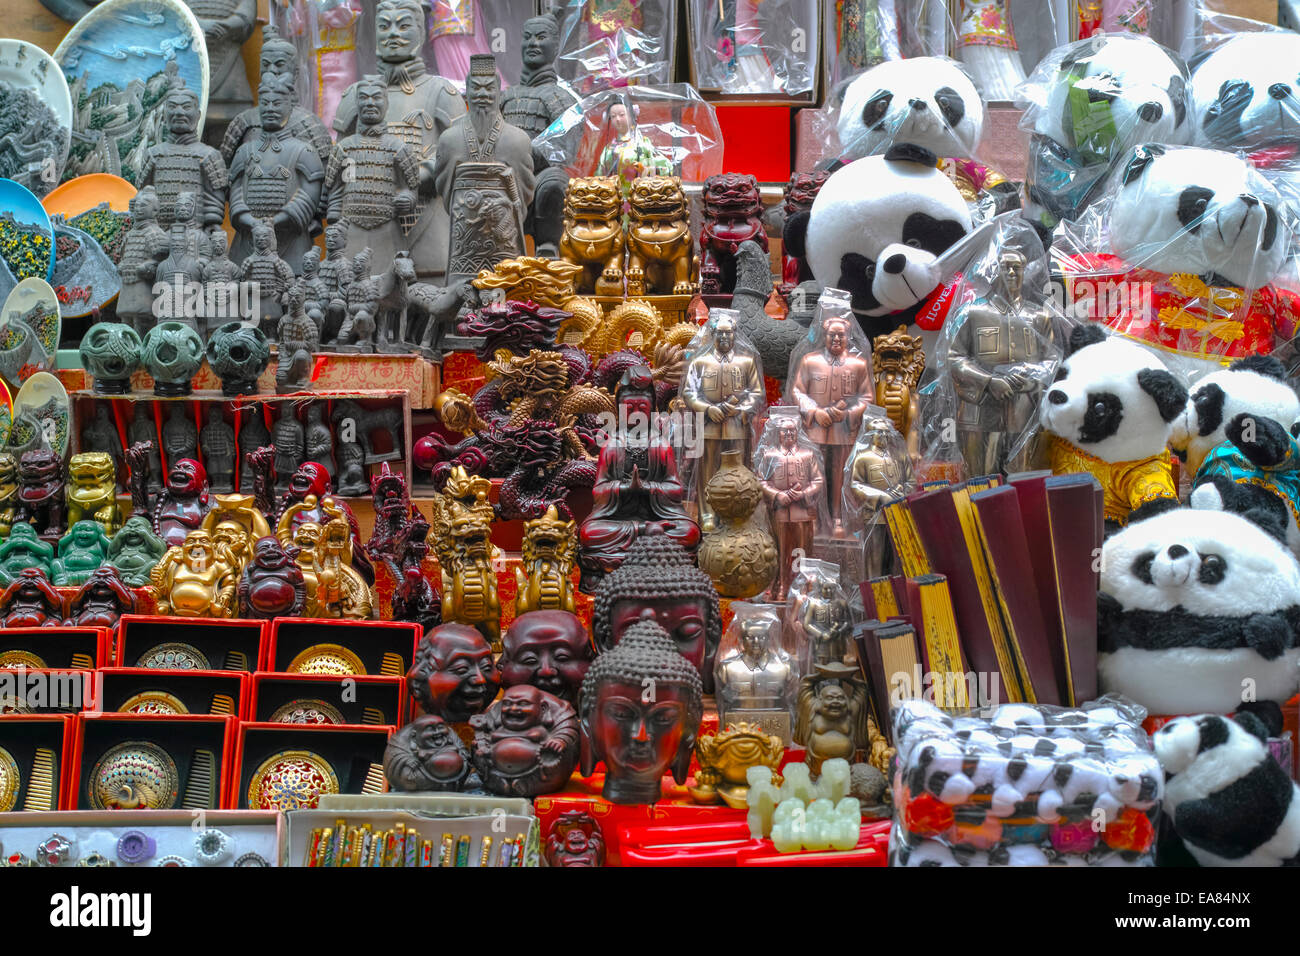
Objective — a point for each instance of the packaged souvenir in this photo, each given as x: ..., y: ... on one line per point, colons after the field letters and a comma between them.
x: 616, y: 43
x: 746, y: 47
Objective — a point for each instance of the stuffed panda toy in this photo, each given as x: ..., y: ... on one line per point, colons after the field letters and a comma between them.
x: 1255, y: 385
x: 1254, y: 473
x: 1110, y: 412
x: 1195, y: 239
x: 877, y: 229
x: 1089, y: 103
x: 931, y: 102
x: 1229, y: 800
x: 1198, y: 611
x: 1246, y: 94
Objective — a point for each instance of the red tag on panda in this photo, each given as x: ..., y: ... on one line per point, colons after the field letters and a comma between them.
x: 934, y: 310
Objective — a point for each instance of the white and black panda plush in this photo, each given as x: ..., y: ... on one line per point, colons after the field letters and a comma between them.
x: 929, y: 101
x: 1246, y: 94
x: 1230, y: 801
x: 1255, y: 385
x: 1198, y: 611
x: 877, y: 229
x: 1090, y: 102
x: 1110, y: 412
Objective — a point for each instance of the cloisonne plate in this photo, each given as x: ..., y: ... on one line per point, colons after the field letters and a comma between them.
x: 136, y: 775
x: 291, y: 780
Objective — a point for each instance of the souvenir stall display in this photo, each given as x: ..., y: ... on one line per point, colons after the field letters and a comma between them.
x: 489, y: 433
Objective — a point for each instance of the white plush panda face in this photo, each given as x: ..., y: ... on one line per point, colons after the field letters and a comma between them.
x: 1111, y: 93
x: 1221, y: 396
x: 926, y: 100
x: 1114, y: 400
x: 1198, y: 211
x: 1232, y: 751
x: 877, y: 228
x: 1208, y: 563
x: 1246, y: 94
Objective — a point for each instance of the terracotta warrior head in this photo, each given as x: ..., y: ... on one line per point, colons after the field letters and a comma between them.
x: 399, y: 30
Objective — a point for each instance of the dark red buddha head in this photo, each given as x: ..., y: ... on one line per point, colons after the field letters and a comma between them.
x: 269, y: 555
x: 311, y: 478
x: 187, y: 477
x: 454, y: 675
x: 549, y: 650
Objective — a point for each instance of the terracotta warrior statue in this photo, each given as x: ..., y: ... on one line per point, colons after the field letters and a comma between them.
x: 183, y: 164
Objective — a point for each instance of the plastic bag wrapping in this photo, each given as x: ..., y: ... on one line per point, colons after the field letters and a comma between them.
x: 616, y: 43
x: 791, y: 469
x: 755, y: 47
x: 1000, y: 39
x: 998, y: 351
x: 1029, y: 786
x: 1156, y: 19
x: 818, y: 626
x: 858, y: 34
x: 325, y: 34
x: 1204, y: 25
x: 1190, y: 255
x: 755, y: 678
x: 671, y: 131
x: 1086, y: 105
x: 878, y: 471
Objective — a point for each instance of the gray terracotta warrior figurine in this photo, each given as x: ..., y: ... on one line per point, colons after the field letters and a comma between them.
x: 101, y: 435
x: 276, y: 178
x: 420, y: 108
x: 320, y: 443
x: 278, y: 57
x: 219, y: 278
x: 290, y: 446
x: 217, y: 439
x: 336, y: 274
x: 271, y: 273
x: 484, y: 177
x: 358, y: 331
x: 299, y: 342
x: 226, y: 25
x: 183, y: 164
x: 179, y: 434
x: 143, y: 429
x: 372, y: 178
x: 145, y: 246
x: 183, y: 264
x: 532, y: 105
x: 252, y: 436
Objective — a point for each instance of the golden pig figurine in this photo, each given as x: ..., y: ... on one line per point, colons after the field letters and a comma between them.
x: 91, y: 490
x: 725, y: 759
x: 550, y: 548
x: 195, y: 579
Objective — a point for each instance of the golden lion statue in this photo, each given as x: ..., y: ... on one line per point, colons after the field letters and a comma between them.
x: 593, y: 234
x: 660, y: 254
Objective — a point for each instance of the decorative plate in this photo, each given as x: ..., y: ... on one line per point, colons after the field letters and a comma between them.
x: 10, y: 780
x: 31, y: 322
x: 6, y: 413
x: 291, y: 780
x: 136, y: 775
x: 331, y: 659
x: 35, y: 116
x: 174, y: 656
x: 85, y: 277
x: 13, y: 660
x: 128, y: 52
x: 307, y: 712
x: 41, y: 416
x: 153, y: 702
x: 26, y: 249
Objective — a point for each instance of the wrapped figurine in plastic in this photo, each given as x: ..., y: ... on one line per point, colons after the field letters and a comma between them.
x: 749, y: 46
x: 617, y: 43
x: 723, y: 387
x: 1189, y: 257
x: 1087, y: 105
x: 818, y: 619
x: 830, y: 382
x: 1028, y: 786
x: 755, y: 678
x: 879, y: 471
x: 999, y: 351
x: 324, y: 32
x: 789, y: 468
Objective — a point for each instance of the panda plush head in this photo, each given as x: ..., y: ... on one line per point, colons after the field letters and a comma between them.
x: 1111, y: 398
x: 1103, y: 95
x: 929, y: 101
x: 877, y: 229
x: 1203, y: 212
x: 1197, y: 609
x: 1246, y: 94
x: 1255, y: 385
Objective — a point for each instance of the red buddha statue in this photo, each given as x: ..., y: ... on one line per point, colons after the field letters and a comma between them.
x: 101, y: 600
x: 549, y: 650
x: 636, y: 487
x: 183, y: 502
x: 272, y: 584
x: 575, y: 840
x: 30, y: 601
x: 526, y: 743
x: 454, y: 676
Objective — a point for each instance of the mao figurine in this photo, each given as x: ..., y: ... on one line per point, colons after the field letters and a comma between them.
x: 549, y: 650
x: 30, y: 601
x: 80, y: 551
x: 792, y: 479
x: 831, y: 715
x: 542, y: 579
x: 181, y: 164
x: 196, y: 578
x: 724, y: 384
x: 575, y: 840
x: 217, y: 439
x: 832, y: 385
x: 134, y: 551
x: 879, y: 473
x: 92, y: 489
x: 102, y: 600
x: 825, y: 622
x: 272, y: 584
x: 426, y: 755
x: 1000, y: 361
x: 525, y: 744
x: 757, y: 681
x: 453, y: 676
x: 484, y: 177
x: 640, y: 736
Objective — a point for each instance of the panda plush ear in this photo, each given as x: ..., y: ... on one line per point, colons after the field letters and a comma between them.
x: 1169, y: 394
x: 911, y: 153
x: 1267, y: 365
x: 1142, y: 157
x: 794, y: 235
x: 1266, y: 714
x: 1178, y: 96
x: 1081, y: 336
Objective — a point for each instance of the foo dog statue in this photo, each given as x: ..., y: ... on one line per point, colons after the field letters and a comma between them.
x: 660, y: 254
x: 593, y: 234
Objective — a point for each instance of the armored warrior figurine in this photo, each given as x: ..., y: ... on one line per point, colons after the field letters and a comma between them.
x: 336, y: 274
x: 290, y: 446
x: 143, y: 428
x: 182, y: 266
x: 484, y: 177
x: 299, y: 342
x: 1000, y: 361
x: 315, y: 295
x: 831, y: 386
x: 372, y: 178
x: 218, y: 442
x: 275, y: 178
x: 101, y: 435
x: 271, y: 273
x: 226, y: 25
x: 792, y: 480
x: 252, y: 436
x: 143, y: 248
x: 420, y: 108
x: 358, y: 331
x: 183, y: 164
x: 533, y: 104
x: 179, y: 434
x: 726, y: 387
x: 319, y: 442
x: 279, y: 58
x: 217, y: 264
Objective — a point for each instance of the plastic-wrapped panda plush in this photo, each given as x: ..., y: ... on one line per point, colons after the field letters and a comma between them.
x: 1198, y: 611
x: 877, y: 229
x: 1246, y: 94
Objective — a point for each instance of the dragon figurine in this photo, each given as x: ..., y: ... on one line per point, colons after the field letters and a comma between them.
x: 550, y: 547
x: 462, y: 527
